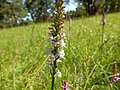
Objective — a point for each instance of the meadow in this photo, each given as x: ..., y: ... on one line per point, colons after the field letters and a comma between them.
x: 24, y: 61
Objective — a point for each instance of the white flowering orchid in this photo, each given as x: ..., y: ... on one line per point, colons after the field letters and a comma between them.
x: 55, y: 43
x: 62, y: 43
x: 50, y: 39
x: 50, y: 65
x: 52, y: 56
x: 62, y: 34
x: 58, y: 73
x: 59, y: 60
x: 56, y: 39
x: 61, y: 54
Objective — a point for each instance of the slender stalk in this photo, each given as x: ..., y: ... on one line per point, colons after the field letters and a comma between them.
x: 103, y: 26
x: 52, y: 85
x: 70, y: 31
x: 102, y: 41
x: 53, y: 76
x: 102, y: 34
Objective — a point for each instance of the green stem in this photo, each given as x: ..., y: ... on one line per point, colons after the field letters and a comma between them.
x: 102, y: 41
x: 53, y: 79
x: 102, y: 34
x: 53, y: 75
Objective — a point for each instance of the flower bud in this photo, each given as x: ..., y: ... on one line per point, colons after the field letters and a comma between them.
x: 104, y: 19
x: 65, y: 85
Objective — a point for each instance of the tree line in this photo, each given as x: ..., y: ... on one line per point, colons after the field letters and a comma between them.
x: 22, y: 12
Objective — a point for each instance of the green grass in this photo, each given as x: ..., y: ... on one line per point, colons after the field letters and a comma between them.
x: 24, y: 61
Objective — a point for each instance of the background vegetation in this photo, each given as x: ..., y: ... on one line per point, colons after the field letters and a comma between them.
x: 23, y: 12
x: 23, y: 59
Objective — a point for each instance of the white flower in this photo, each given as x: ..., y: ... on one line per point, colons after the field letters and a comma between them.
x: 55, y: 43
x: 62, y: 34
x: 63, y: 16
x: 49, y: 50
x: 50, y: 39
x: 61, y: 53
x: 62, y: 43
x: 53, y: 40
x: 58, y: 73
x: 50, y: 65
x: 52, y: 57
x: 59, y: 60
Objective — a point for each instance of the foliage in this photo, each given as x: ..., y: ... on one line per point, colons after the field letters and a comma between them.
x: 38, y: 9
x: 80, y: 11
x: 11, y: 13
x: 94, y: 6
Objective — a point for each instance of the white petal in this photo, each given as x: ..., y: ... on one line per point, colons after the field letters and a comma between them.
x: 61, y: 53
x: 59, y: 60
x: 50, y: 65
x: 62, y: 43
x: 59, y: 74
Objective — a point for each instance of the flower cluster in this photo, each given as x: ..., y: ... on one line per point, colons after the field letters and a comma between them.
x: 114, y: 78
x: 56, y: 38
x: 103, y: 18
x: 65, y: 85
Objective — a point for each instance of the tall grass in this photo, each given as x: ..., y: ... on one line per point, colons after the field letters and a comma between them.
x: 24, y: 62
